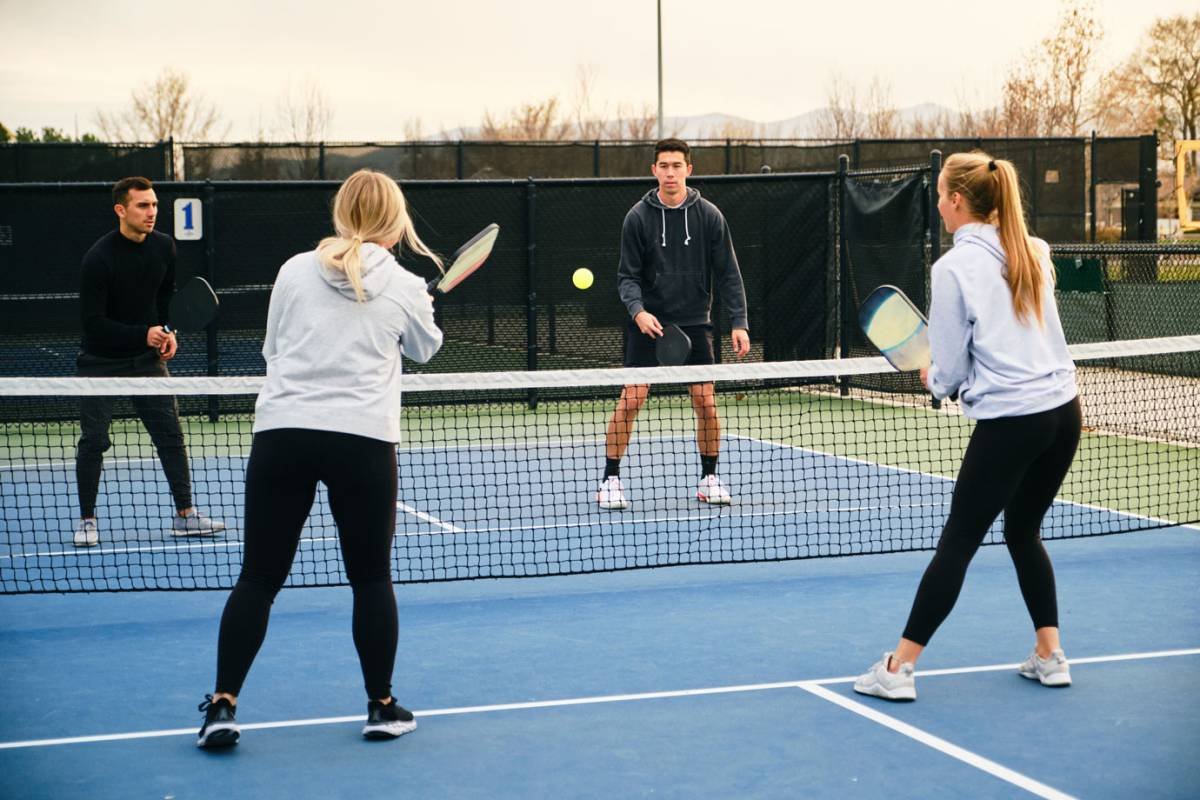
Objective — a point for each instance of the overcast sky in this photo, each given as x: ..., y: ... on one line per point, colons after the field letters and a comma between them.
x: 445, y: 62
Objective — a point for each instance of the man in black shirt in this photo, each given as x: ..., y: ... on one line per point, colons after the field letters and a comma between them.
x: 127, y: 280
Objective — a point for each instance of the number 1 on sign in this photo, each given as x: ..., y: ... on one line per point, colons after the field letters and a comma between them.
x: 189, y: 219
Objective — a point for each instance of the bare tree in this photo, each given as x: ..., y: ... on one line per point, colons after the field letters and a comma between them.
x: 840, y: 119
x: 169, y: 109
x: 1169, y: 63
x: 303, y: 115
x: 1048, y: 92
x: 537, y: 121
x: 883, y: 120
x: 414, y: 129
x: 638, y: 123
x: 589, y: 123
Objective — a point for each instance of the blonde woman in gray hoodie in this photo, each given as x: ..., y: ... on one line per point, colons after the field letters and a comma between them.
x: 340, y: 318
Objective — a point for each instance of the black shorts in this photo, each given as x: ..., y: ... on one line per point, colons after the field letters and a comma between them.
x: 639, y: 348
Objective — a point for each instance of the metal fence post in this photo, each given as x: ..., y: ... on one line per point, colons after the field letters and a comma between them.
x: 1092, y: 186
x: 210, y: 258
x: 458, y: 160
x: 596, y: 158
x: 531, y: 344
x: 843, y: 340
x: 321, y: 160
x: 935, y: 219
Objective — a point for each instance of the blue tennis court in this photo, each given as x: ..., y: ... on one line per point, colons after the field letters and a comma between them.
x: 728, y: 680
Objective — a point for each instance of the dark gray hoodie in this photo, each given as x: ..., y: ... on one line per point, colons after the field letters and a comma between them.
x: 672, y: 258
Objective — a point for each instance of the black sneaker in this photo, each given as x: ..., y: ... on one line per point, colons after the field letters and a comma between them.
x: 387, y: 722
x: 220, y: 729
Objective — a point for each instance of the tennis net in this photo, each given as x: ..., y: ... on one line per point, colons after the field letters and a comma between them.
x: 499, y: 471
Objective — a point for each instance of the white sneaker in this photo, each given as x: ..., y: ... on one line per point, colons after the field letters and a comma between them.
x: 878, y: 682
x: 711, y: 490
x: 196, y: 524
x: 1052, y: 671
x: 86, y: 533
x: 611, y: 493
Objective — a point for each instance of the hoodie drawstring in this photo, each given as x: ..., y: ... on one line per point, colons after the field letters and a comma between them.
x: 687, y: 234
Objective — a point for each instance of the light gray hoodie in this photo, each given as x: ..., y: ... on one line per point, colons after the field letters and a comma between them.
x: 1001, y: 366
x: 333, y: 363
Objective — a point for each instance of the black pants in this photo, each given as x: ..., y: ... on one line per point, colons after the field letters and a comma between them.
x: 159, y: 414
x: 1015, y: 465
x: 281, y: 483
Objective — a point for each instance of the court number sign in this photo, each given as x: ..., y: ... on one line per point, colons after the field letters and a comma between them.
x: 189, y: 219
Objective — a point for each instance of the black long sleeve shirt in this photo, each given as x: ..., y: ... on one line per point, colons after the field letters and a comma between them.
x: 125, y: 289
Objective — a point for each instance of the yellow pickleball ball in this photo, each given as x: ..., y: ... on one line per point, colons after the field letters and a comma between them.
x: 582, y: 278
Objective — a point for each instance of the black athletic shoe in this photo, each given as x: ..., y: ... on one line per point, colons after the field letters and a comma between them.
x: 220, y: 729
x: 387, y: 722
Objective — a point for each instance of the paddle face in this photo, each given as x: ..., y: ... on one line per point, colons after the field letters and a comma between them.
x: 466, y: 260
x: 895, y: 326
x: 192, y: 307
x: 673, y: 347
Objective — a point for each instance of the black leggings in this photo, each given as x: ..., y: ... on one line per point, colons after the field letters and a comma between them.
x: 281, y: 483
x: 1015, y: 465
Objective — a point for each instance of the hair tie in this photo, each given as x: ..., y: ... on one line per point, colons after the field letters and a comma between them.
x: 992, y: 166
x: 357, y: 238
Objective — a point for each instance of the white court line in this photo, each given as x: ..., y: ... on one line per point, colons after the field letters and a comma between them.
x: 432, y: 520
x: 576, y: 701
x: 941, y: 745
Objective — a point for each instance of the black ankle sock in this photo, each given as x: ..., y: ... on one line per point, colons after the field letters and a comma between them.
x: 612, y: 466
x: 708, y: 466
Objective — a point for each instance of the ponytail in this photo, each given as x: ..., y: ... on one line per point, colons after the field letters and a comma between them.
x: 369, y: 207
x: 344, y: 255
x: 993, y: 194
x: 1025, y: 279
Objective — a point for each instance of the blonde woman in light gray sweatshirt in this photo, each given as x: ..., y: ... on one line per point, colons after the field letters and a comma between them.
x: 340, y: 318
x: 997, y: 341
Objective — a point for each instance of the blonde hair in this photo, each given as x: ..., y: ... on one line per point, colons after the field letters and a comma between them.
x: 369, y: 207
x: 992, y: 194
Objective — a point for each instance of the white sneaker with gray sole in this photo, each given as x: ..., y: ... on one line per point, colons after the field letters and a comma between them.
x: 1052, y: 671
x: 878, y: 682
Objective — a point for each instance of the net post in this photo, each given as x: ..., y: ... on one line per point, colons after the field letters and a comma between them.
x: 843, y: 339
x: 531, y: 361
x: 210, y: 258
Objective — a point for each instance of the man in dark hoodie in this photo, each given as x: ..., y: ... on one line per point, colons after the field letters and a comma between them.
x: 675, y: 251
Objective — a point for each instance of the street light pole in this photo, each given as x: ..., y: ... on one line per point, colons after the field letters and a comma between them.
x: 660, y: 102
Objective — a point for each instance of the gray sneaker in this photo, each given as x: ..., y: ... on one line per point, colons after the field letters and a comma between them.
x: 878, y: 682
x: 86, y: 533
x: 195, y: 524
x: 1052, y: 671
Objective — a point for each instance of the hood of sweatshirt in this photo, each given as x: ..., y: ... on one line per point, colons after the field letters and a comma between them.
x: 692, y: 197
x: 377, y: 272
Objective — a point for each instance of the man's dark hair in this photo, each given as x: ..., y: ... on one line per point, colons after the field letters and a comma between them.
x: 673, y: 146
x: 121, y: 189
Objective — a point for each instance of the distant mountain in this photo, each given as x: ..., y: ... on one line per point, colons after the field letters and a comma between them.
x: 717, y: 125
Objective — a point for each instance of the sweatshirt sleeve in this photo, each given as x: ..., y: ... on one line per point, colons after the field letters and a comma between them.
x: 274, y: 308
x: 726, y: 273
x: 632, y: 266
x: 949, y: 334
x: 421, y: 338
x: 93, y: 299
